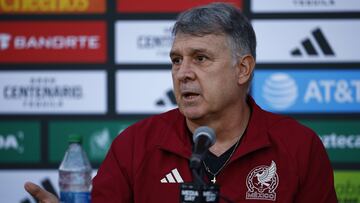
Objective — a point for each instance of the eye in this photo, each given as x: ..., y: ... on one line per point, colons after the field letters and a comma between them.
x: 176, y: 60
x: 201, y: 58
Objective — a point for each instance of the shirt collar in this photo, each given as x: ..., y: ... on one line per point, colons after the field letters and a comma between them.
x: 256, y: 136
x: 177, y: 138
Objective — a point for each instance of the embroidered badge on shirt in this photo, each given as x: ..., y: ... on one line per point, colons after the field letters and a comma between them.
x: 262, y: 182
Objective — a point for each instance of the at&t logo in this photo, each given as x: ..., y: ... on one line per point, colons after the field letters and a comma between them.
x: 280, y: 91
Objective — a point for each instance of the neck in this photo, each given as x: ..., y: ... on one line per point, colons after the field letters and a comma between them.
x: 228, y: 127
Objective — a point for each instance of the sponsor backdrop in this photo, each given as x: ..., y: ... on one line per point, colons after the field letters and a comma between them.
x: 94, y: 67
x: 308, y: 91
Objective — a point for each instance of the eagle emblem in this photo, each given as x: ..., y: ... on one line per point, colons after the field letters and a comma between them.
x: 262, y: 182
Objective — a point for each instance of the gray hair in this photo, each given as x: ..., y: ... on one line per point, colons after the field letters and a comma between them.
x: 219, y: 18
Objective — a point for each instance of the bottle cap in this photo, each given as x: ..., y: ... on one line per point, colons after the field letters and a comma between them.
x: 75, y: 138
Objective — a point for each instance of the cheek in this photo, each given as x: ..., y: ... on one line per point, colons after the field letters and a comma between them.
x: 221, y: 88
x: 174, y: 81
x: 214, y: 84
x: 211, y: 90
x: 176, y: 90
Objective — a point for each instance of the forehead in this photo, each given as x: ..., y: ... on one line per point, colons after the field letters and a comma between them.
x: 210, y: 42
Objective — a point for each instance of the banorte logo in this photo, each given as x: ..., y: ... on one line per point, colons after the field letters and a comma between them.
x: 46, y: 42
x: 280, y: 91
x: 4, y: 41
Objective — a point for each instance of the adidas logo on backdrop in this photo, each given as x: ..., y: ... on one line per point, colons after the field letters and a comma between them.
x: 315, y: 45
x: 167, y: 100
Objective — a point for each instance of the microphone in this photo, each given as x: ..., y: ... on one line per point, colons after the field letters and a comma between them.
x: 204, y: 137
x: 199, y: 191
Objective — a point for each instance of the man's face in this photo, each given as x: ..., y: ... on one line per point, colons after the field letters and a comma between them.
x: 204, y: 76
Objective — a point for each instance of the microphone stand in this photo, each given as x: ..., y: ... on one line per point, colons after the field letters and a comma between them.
x: 198, y: 191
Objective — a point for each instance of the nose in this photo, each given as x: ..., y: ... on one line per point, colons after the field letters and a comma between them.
x: 185, y: 71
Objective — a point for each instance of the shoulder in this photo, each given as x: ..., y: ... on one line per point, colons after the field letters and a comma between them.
x: 276, y: 125
x: 282, y: 132
x: 293, y: 138
x: 279, y: 127
x: 287, y: 127
x: 291, y: 134
x: 285, y: 132
x: 159, y: 121
x: 151, y: 128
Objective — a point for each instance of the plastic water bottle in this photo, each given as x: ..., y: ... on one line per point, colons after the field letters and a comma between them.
x: 75, y: 174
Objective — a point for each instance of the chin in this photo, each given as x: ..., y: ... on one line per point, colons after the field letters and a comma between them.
x: 192, y: 114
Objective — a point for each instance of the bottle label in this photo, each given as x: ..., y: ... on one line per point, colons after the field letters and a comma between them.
x: 75, y: 197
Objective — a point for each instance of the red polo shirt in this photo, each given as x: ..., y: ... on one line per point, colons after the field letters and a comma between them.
x: 278, y: 160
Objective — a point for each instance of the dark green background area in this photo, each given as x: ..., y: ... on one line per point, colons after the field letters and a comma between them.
x: 97, y: 137
x: 340, y: 130
x: 20, y: 142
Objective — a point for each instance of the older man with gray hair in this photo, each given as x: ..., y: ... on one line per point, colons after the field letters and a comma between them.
x: 258, y: 156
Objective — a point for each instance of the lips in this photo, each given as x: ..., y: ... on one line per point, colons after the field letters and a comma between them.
x: 189, y: 94
x: 189, y: 91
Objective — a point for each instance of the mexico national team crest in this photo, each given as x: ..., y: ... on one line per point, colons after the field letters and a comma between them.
x: 262, y: 182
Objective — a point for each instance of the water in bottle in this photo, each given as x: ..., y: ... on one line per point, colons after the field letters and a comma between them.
x: 75, y: 173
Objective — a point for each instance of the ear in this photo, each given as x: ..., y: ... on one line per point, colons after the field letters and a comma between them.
x: 245, y: 66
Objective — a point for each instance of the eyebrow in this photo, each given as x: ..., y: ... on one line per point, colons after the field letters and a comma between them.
x: 172, y: 53
x: 192, y: 51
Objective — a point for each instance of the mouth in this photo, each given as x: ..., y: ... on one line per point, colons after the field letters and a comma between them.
x: 189, y: 95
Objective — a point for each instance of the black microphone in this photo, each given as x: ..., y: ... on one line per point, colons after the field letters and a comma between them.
x: 204, y: 137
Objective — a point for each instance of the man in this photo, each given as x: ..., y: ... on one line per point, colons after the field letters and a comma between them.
x: 258, y: 156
